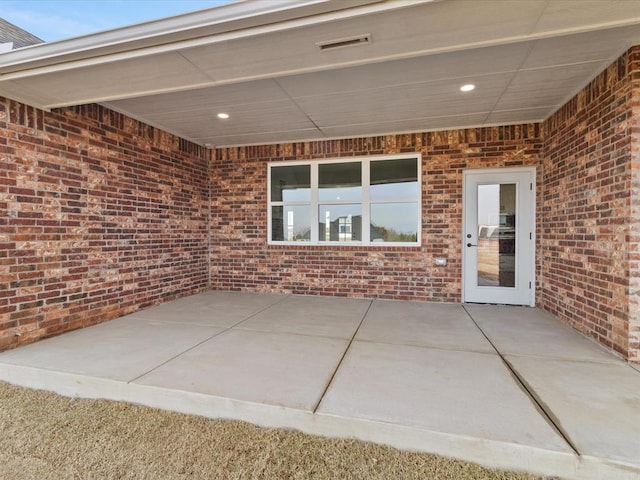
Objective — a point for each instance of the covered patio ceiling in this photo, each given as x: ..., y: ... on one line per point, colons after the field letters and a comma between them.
x: 313, y: 69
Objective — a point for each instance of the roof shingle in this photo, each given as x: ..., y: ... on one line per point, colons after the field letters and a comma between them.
x: 19, y: 37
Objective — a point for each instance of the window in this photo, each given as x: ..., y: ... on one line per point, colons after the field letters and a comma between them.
x: 348, y: 201
x: 291, y: 203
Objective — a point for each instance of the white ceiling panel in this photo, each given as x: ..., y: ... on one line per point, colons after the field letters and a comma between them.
x: 408, y: 125
x: 263, y: 138
x: 429, y: 99
x: 132, y: 77
x: 478, y: 62
x: 408, y: 31
x: 23, y: 92
x: 211, y: 98
x: 604, y: 45
x: 532, y: 115
x: 262, y: 65
x: 547, y: 86
x: 245, y: 118
x: 570, y: 14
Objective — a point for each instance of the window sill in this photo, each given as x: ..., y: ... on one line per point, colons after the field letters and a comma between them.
x: 396, y: 247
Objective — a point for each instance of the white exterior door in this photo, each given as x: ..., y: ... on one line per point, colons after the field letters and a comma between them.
x: 499, y: 236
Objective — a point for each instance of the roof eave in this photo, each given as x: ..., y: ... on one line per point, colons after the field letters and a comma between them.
x: 240, y: 16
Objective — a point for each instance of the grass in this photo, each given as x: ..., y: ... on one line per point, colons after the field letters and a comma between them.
x: 47, y: 436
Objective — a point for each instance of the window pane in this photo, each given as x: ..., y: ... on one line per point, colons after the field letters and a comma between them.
x: 340, y: 223
x: 340, y: 181
x: 394, y: 222
x: 395, y: 180
x: 291, y: 223
x: 291, y: 183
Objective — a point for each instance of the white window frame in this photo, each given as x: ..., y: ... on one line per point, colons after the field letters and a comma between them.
x: 365, y: 202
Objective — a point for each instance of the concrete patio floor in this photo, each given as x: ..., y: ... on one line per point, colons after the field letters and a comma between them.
x: 507, y: 387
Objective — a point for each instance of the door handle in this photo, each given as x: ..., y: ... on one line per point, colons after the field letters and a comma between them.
x: 471, y: 245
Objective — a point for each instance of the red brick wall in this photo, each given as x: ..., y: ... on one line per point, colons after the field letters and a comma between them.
x: 242, y: 260
x: 634, y: 230
x: 585, y: 218
x: 99, y: 215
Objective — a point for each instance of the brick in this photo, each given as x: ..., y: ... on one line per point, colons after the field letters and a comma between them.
x: 587, y: 167
x: 59, y: 187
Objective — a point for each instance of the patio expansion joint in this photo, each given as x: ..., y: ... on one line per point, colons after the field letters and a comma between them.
x: 235, y: 325
x: 612, y: 361
x: 344, y: 354
x: 430, y: 347
x: 177, y: 355
x: 541, y: 406
x: 223, y: 330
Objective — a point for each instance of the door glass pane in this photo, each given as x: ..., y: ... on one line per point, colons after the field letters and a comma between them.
x: 291, y: 223
x: 340, y: 182
x: 291, y: 183
x: 394, y: 222
x: 340, y: 223
x: 496, y: 235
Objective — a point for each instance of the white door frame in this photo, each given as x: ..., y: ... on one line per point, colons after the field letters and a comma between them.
x: 523, y: 211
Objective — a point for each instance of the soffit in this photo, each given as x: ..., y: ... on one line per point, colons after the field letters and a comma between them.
x: 525, y: 57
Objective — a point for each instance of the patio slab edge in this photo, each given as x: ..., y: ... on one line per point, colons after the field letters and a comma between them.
x: 489, y: 453
x: 597, y: 468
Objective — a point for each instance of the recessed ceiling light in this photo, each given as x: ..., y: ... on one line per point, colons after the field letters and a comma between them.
x: 223, y: 115
x: 467, y: 88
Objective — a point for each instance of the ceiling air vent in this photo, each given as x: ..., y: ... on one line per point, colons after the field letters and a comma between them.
x: 363, y: 39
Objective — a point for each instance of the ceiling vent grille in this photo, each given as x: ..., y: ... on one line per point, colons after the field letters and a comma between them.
x: 363, y: 39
